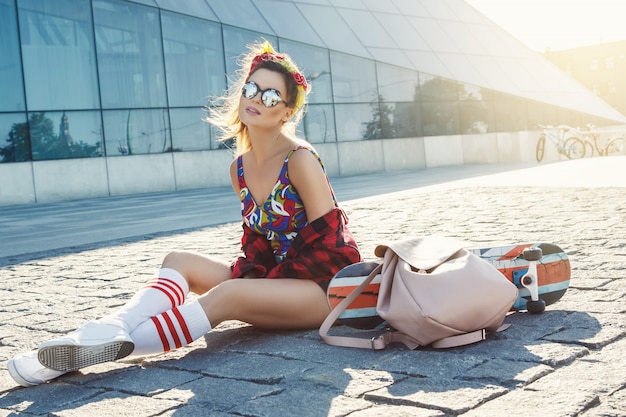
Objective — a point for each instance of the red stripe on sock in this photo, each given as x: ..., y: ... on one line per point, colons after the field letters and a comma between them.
x: 163, y: 284
x: 172, y: 329
x: 161, y: 332
x: 176, y: 289
x: 183, y: 325
x: 157, y: 287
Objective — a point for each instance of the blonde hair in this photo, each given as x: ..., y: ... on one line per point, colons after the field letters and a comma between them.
x: 224, y: 113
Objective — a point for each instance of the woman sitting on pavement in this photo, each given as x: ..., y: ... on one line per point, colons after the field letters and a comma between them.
x: 294, y: 240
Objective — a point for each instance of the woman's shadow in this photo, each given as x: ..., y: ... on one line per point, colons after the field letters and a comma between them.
x: 247, y: 371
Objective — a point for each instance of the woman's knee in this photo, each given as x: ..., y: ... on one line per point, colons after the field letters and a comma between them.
x: 176, y: 260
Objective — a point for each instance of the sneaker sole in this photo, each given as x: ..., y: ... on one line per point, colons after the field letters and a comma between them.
x: 71, y: 358
x: 17, y: 376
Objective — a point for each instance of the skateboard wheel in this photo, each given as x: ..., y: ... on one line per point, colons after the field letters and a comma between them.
x: 532, y: 254
x: 535, y: 307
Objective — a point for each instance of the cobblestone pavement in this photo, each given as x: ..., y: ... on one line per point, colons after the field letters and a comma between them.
x: 568, y: 361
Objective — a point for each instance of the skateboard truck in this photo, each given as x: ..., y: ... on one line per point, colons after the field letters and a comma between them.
x: 530, y: 280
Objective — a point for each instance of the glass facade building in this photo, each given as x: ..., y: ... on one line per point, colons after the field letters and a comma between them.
x: 112, y: 78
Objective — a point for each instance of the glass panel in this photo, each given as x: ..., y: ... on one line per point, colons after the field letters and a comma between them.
x: 440, y: 118
x: 130, y: 59
x: 194, y: 59
x: 240, y: 13
x: 476, y: 110
x: 191, y: 8
x: 436, y: 88
x: 315, y: 63
x: 287, y: 21
x: 510, y: 113
x: 541, y: 114
x: 190, y: 132
x: 436, y: 37
x: 132, y: 132
x: 406, y: 122
x: 476, y: 117
x: 353, y: 120
x: 402, y: 32
x: 14, y: 138
x: 354, y: 79
x: 367, y: 28
x: 236, y: 41
x: 319, y: 124
x: 58, y: 135
x: 333, y: 29
x: 397, y: 84
x: 58, y: 54
x: 11, y: 84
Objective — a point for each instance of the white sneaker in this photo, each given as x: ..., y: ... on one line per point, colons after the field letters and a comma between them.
x: 27, y: 371
x: 91, y: 344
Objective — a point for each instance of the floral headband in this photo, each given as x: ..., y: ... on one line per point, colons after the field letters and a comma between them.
x: 269, y: 54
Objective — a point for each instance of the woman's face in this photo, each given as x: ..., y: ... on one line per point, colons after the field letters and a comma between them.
x: 252, y: 111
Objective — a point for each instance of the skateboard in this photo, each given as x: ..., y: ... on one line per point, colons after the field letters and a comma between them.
x: 540, y: 271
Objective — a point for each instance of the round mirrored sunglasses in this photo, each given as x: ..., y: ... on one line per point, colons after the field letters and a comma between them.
x: 270, y: 97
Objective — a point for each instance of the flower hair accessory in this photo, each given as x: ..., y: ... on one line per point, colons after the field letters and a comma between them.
x: 269, y: 54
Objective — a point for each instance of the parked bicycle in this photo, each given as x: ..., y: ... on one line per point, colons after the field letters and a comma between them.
x: 572, y: 147
x: 614, y: 145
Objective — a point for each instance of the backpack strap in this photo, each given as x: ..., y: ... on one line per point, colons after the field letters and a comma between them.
x: 390, y: 336
x: 375, y: 343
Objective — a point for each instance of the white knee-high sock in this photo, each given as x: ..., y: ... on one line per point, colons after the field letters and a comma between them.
x: 172, y: 329
x: 166, y: 290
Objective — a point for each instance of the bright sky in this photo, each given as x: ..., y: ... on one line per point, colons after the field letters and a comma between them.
x: 558, y: 24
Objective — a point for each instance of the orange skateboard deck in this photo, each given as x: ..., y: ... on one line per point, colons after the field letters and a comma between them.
x: 547, y: 276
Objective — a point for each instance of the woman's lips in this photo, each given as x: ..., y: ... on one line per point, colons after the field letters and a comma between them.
x: 252, y: 110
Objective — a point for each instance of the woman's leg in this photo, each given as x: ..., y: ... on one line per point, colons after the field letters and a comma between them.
x: 108, y: 338
x: 267, y: 303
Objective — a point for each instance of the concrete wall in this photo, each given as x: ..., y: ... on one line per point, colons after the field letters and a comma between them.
x: 68, y: 179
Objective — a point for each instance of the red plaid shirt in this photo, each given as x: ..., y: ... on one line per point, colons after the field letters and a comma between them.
x: 318, y: 252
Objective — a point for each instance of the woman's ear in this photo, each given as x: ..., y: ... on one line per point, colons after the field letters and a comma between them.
x: 287, y: 115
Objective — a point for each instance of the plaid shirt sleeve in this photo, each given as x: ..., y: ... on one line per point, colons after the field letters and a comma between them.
x: 320, y: 250
x: 258, y: 257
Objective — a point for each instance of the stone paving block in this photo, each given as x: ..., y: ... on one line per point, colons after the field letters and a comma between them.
x: 45, y: 399
x: 450, y: 396
x: 570, y: 391
x: 217, y: 394
x: 115, y: 403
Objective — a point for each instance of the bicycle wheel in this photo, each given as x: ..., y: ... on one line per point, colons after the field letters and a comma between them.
x: 541, y: 148
x: 590, y: 146
x: 574, y: 148
x: 615, y: 147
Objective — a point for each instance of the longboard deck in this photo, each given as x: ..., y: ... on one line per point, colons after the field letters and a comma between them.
x: 553, y: 271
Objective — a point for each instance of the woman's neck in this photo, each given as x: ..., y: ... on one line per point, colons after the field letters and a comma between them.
x: 266, y: 144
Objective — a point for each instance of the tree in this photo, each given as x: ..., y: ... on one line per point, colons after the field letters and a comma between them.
x: 38, y: 136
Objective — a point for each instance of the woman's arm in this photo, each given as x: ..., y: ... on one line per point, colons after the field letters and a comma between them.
x: 309, y: 179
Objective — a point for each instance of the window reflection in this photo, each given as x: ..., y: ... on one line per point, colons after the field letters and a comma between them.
x: 352, y: 120
x: 14, y: 138
x: 510, y: 113
x: 58, y: 54
x: 319, y: 123
x: 190, y: 132
x: 354, y: 79
x: 133, y: 132
x: 476, y: 110
x: 130, y: 59
x: 397, y: 84
x: 194, y: 59
x: 57, y: 135
x: 440, y: 118
x: 11, y: 86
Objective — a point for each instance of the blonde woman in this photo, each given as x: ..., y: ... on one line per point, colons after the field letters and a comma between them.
x: 294, y: 240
